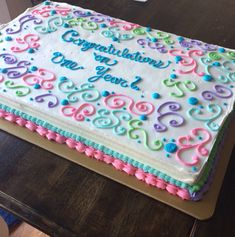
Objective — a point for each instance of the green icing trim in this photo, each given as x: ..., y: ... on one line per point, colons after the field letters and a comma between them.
x: 108, y: 151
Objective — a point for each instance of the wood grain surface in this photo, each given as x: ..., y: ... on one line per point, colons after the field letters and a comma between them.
x: 66, y: 200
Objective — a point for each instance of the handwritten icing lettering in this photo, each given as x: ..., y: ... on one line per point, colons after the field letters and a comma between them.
x: 59, y: 58
x: 72, y: 36
x: 105, y: 60
x: 101, y: 73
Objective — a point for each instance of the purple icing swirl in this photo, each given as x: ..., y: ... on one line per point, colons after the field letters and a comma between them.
x: 8, y: 58
x: 22, y: 21
x: 220, y: 91
x: 51, y: 104
x: 20, y: 70
x: 152, y: 45
x: 189, y: 44
x: 172, y: 106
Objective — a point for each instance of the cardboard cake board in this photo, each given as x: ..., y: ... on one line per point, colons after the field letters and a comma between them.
x: 201, y: 210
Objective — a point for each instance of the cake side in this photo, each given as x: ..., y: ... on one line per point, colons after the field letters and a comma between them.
x: 152, y: 99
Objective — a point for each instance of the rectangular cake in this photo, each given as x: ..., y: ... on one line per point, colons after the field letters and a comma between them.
x: 151, y: 104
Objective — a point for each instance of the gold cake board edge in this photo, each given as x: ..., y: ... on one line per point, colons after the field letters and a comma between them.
x: 201, y: 210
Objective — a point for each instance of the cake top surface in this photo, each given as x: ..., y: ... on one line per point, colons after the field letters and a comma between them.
x: 153, y: 99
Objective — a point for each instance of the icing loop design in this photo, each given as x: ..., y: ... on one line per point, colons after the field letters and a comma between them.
x: 20, y: 90
x: 178, y: 85
x: 186, y: 142
x: 79, y: 114
x: 152, y: 45
x: 124, y: 25
x: 135, y: 126
x: 114, y: 33
x: 104, y: 121
x: 220, y: 91
x: 173, y: 107
x: 43, y: 77
x: 118, y: 101
x: 20, y: 69
x: 86, y: 25
x: 187, y: 61
x: 45, y: 11
x: 86, y: 91
x: 165, y: 37
x: 224, y: 73
x: 229, y: 55
x: 93, y: 16
x: 51, y: 104
x: 196, y: 43
x: 22, y: 21
x: 210, y: 123
x: 52, y: 24
x: 29, y: 41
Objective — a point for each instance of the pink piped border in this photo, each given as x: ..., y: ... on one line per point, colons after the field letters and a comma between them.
x: 98, y: 155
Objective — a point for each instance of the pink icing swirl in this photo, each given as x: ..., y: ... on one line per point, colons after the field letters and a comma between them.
x: 188, y: 62
x: 186, y: 142
x: 127, y: 26
x: 43, y: 78
x: 45, y: 11
x: 118, y: 101
x: 29, y: 41
x: 79, y: 113
x: 98, y: 155
x: 1, y: 78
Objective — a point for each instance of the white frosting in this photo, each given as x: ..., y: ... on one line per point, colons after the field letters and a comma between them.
x: 152, y: 79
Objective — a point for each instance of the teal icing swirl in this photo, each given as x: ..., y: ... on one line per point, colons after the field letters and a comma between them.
x: 114, y: 33
x: 20, y: 90
x: 52, y: 24
x: 104, y: 121
x: 227, y: 73
x: 214, y: 109
x: 135, y: 126
x: 86, y: 91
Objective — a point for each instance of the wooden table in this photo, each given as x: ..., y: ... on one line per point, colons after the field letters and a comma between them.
x: 66, y: 200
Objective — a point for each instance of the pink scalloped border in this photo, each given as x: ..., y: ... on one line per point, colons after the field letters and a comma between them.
x: 98, y: 155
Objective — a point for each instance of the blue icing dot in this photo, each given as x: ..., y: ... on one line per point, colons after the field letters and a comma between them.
x: 192, y: 100
x: 178, y: 58
x: 217, y: 64
x: 53, y: 12
x: 4, y: 70
x: 105, y: 93
x: 143, y: 117
x: 167, y: 155
x: 8, y: 38
x: 180, y: 38
x: 63, y: 78
x: 64, y: 102
x: 207, y: 77
x: 164, y: 139
x: 31, y: 50
x: 33, y: 68
x: 36, y: 86
x: 173, y: 76
x: 88, y: 13
x: 154, y: 40
x: 170, y: 147
x: 155, y: 95
x: 46, y: 3
x: 194, y: 168
x: 103, y: 25
x: 172, y: 140
x: 200, y: 138
x: 221, y: 50
x: 66, y: 25
x: 115, y: 39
